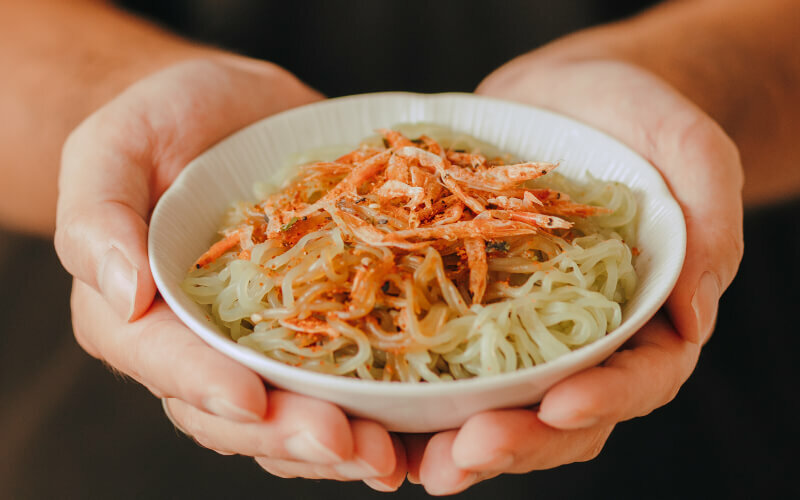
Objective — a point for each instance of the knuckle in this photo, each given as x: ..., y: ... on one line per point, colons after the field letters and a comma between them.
x: 695, y: 133
x: 728, y: 238
x: 74, y: 142
x: 721, y: 247
x: 677, y: 366
x: 82, y: 140
x: 732, y: 240
x: 73, y: 240
x: 67, y: 225
x: 78, y: 326
x: 595, y: 446
x: 695, y: 130
x: 594, y: 450
x: 684, y: 366
x: 60, y: 242
x: 662, y: 382
x: 65, y: 247
x: 140, y: 355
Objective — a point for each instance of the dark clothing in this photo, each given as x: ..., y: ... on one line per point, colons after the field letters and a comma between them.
x: 351, y: 47
x: 71, y: 429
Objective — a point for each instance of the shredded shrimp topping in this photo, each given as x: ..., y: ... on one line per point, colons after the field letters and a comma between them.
x: 362, y: 264
x: 411, y: 195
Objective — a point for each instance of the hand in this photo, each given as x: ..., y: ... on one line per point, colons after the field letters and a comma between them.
x: 701, y: 166
x: 115, y: 166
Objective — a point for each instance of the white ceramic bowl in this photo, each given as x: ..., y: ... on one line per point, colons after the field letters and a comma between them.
x: 187, y: 217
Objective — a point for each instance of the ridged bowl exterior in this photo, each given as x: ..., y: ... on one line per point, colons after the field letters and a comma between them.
x: 188, y: 215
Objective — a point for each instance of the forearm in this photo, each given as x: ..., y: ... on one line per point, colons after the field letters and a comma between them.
x: 61, y: 61
x: 737, y: 60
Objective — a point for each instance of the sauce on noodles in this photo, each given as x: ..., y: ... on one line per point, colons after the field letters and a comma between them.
x: 412, y: 258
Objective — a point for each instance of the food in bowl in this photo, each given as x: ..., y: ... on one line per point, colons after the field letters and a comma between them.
x: 424, y: 256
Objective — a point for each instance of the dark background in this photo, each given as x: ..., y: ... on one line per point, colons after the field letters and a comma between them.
x: 69, y: 428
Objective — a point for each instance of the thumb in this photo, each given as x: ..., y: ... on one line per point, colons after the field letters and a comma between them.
x: 101, y: 229
x: 117, y: 163
x: 709, y: 191
x: 697, y: 160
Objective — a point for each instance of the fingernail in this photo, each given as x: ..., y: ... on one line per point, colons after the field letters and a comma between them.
x: 225, y: 409
x: 501, y: 461
x: 582, y: 422
x: 305, y: 448
x: 377, y: 485
x: 468, y: 480
x: 355, y: 469
x: 562, y: 417
x: 171, y: 418
x: 704, y: 303
x: 117, y: 281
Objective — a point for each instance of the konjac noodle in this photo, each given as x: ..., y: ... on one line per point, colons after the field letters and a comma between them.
x: 422, y: 257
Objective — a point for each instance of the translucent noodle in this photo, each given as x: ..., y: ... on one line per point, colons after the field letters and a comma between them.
x: 327, y: 296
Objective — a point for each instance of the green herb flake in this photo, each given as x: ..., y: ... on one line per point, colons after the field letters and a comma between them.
x: 289, y: 224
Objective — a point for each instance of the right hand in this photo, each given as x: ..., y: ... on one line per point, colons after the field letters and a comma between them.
x: 701, y: 167
x: 115, y: 166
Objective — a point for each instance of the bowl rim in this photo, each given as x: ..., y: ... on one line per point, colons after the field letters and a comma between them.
x: 266, y: 365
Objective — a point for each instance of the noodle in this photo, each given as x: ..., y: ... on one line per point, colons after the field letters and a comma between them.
x: 422, y: 260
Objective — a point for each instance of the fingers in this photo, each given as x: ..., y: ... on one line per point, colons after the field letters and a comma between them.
x: 114, y: 261
x: 104, y: 201
x: 161, y: 353
x: 294, y: 428
x: 710, y: 195
x: 502, y: 441
x: 702, y: 167
x: 372, y: 456
x: 573, y: 421
x: 289, y: 433
x: 394, y: 480
x: 415, y: 449
x: 517, y: 441
x: 301, y: 437
x: 438, y: 472
x: 698, y: 161
x: 631, y: 383
x: 117, y: 163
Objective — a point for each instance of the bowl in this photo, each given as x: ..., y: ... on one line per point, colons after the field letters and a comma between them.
x: 187, y: 216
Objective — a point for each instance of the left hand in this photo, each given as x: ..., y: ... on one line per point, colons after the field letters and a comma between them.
x: 115, y: 167
x: 701, y: 167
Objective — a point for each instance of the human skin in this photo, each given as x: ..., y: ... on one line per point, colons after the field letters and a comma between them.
x: 62, y: 61
x: 670, y: 84
x: 576, y: 416
x: 102, y: 221
x: 115, y: 166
